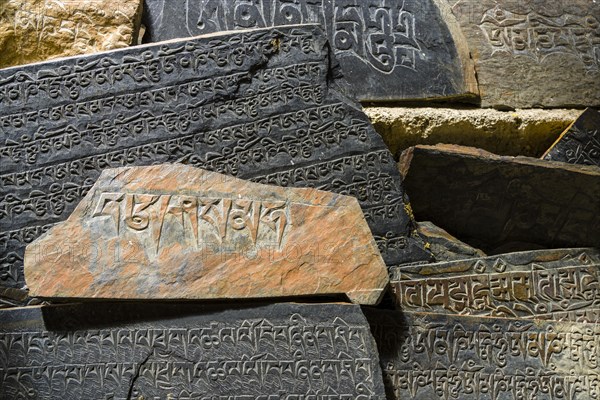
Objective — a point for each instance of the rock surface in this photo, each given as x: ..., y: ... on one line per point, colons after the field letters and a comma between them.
x: 580, y: 143
x: 387, y: 49
x: 38, y: 30
x: 176, y: 232
x: 503, y: 204
x: 533, y: 53
x: 521, y: 132
x: 532, y: 285
x: 443, y: 245
x: 437, y: 357
x: 262, y: 105
x: 178, y: 351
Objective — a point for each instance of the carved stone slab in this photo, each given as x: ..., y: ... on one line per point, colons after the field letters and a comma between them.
x: 580, y: 143
x: 436, y: 356
x: 388, y: 49
x: 38, y: 30
x: 177, y: 232
x: 548, y: 284
x: 259, y: 105
x: 503, y: 204
x: 533, y: 53
x: 284, y: 351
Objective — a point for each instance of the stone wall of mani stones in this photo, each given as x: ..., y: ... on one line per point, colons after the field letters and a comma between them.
x: 194, y: 203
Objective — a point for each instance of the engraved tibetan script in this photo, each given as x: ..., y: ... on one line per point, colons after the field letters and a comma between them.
x: 258, y: 105
x: 509, y: 286
x: 537, y: 36
x: 288, y: 352
x: 436, y: 356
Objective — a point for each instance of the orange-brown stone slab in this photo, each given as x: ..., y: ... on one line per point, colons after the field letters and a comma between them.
x: 176, y: 232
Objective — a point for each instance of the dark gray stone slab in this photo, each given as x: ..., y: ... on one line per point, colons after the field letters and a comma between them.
x: 388, y: 49
x: 282, y: 351
x: 435, y: 356
x: 503, y: 204
x: 580, y: 143
x: 547, y: 284
x: 261, y: 105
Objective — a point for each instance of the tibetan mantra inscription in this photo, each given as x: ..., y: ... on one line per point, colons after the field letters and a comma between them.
x: 282, y: 351
x: 501, y: 204
x: 533, y: 53
x: 388, y: 49
x: 437, y: 356
x: 580, y: 143
x: 547, y: 284
x: 260, y: 105
x: 176, y: 232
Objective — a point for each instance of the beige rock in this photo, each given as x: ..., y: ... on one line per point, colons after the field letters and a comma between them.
x: 37, y: 30
x: 177, y: 232
x: 520, y: 132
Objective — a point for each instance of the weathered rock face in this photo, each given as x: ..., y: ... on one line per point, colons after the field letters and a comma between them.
x: 531, y: 53
x: 543, y: 284
x: 436, y: 356
x: 185, y: 352
x: 177, y: 232
x: 580, y: 143
x: 503, y: 204
x: 517, y: 133
x: 38, y: 30
x: 387, y: 49
x: 444, y: 246
x: 260, y: 105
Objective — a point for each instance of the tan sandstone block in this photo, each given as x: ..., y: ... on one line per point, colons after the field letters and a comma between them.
x: 38, y: 30
x: 177, y: 232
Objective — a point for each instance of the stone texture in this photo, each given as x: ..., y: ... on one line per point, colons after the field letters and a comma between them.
x: 38, y: 30
x: 543, y: 284
x: 436, y: 356
x: 521, y: 132
x: 133, y: 351
x: 262, y: 105
x: 533, y: 53
x: 387, y: 49
x: 502, y: 204
x: 443, y: 245
x: 177, y: 232
x: 580, y: 143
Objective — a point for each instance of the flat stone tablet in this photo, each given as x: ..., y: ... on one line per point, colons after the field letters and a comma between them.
x: 547, y: 284
x: 436, y: 356
x: 101, y: 351
x: 503, y: 204
x: 533, y: 53
x: 580, y: 143
x: 39, y: 30
x: 387, y: 49
x: 260, y: 105
x: 176, y: 232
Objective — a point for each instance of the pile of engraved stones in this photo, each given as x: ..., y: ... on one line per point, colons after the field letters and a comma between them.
x: 214, y: 217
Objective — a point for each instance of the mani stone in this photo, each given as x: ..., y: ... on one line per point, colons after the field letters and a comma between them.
x: 387, y: 49
x: 580, y: 143
x: 108, y: 351
x: 444, y: 246
x: 38, y: 30
x: 436, y: 356
x: 533, y: 53
x: 177, y: 232
x: 544, y: 284
x: 261, y: 105
x: 503, y: 204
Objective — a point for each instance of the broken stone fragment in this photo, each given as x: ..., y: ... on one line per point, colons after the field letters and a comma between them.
x: 580, y: 143
x: 443, y: 245
x: 502, y: 204
x: 176, y: 232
